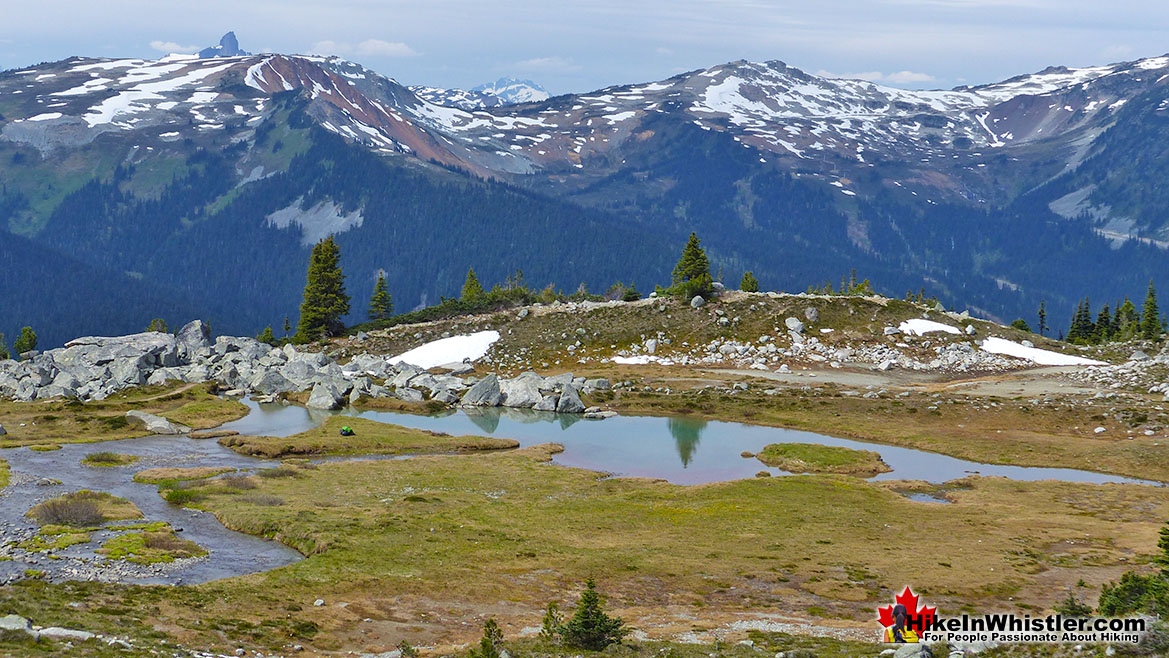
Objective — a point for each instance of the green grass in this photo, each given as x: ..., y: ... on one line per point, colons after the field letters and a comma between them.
x: 150, y: 547
x: 108, y: 459
x: 55, y: 538
x: 813, y: 458
x: 371, y: 438
x: 45, y: 448
x: 4, y: 473
x: 157, y: 475
x: 46, y: 425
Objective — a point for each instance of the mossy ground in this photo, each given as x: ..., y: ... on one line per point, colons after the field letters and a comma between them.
x: 812, y: 458
x: 370, y: 438
x: 69, y: 421
x: 150, y: 547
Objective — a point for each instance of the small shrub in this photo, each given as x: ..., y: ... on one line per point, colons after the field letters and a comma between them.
x: 115, y: 422
x: 1072, y: 607
x: 182, y: 496
x: 240, y: 482
x: 278, y: 472
x: 265, y: 500
x: 407, y: 650
x: 72, y: 511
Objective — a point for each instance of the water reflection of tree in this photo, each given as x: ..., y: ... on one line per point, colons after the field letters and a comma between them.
x: 687, y: 432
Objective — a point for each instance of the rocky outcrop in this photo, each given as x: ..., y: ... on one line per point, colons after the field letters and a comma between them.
x: 94, y: 368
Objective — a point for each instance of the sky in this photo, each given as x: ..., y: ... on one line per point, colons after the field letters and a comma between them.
x: 582, y: 45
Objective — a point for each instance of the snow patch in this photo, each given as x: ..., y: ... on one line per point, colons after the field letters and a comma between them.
x: 920, y: 327
x: 1002, y: 346
x: 449, y: 350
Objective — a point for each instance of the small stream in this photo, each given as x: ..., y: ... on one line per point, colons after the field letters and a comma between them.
x: 679, y: 450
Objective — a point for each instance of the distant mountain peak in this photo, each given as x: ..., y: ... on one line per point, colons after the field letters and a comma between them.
x: 513, y: 91
x: 228, y: 47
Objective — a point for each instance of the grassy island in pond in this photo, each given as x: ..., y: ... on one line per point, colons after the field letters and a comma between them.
x: 84, y: 508
x: 813, y: 458
x: 108, y: 459
x: 369, y: 438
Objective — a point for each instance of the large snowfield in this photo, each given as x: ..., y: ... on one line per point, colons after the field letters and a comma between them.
x: 449, y: 350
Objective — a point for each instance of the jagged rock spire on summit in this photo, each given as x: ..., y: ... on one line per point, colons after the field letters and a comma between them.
x: 228, y: 47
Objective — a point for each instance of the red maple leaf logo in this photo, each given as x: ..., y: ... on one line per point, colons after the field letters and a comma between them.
x: 915, y: 615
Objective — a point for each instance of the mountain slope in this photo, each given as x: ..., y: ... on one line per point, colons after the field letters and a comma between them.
x: 212, y: 177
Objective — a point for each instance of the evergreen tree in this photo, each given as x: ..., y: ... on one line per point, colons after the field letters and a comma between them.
x: 590, y: 628
x: 1021, y: 324
x: 1043, y: 317
x: 471, y: 288
x: 266, y: 336
x: 381, y: 304
x: 325, y: 301
x: 693, y: 264
x: 552, y: 625
x: 1127, y: 321
x: 287, y: 326
x: 1151, y: 316
x: 1104, y: 330
x: 27, y: 341
x: 749, y: 282
x: 491, y: 642
x: 1162, y: 560
x: 4, y: 349
x: 157, y: 324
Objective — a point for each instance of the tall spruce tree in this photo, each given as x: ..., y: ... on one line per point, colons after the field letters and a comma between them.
x: 325, y: 301
x: 693, y: 264
x: 1104, y: 331
x: 749, y: 282
x: 1151, y: 316
x: 381, y: 304
x: 1042, y: 317
x: 472, y: 289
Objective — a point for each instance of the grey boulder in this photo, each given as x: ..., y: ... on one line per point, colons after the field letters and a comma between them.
x: 485, y: 393
x: 570, y: 402
x: 325, y: 395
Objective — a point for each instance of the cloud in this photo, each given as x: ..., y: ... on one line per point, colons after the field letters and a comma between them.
x: 897, y: 78
x: 172, y: 47
x: 1116, y: 52
x: 385, y: 48
x: 368, y: 48
x: 555, y: 64
x: 662, y: 50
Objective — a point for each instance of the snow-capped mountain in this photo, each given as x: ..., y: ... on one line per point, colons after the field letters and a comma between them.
x: 513, y: 91
x: 504, y: 91
x: 784, y: 172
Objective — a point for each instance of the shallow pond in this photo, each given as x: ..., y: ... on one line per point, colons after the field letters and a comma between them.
x: 230, y: 553
x: 680, y: 450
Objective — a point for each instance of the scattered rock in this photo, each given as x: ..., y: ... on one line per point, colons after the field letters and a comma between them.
x: 794, y: 324
x: 812, y: 315
x: 697, y: 302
